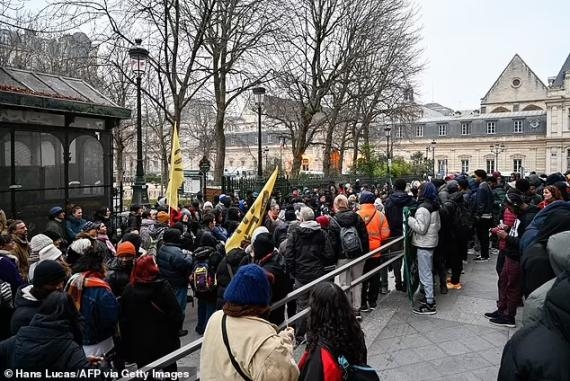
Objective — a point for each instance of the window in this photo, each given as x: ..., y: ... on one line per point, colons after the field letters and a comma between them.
x: 464, y: 166
x: 231, y: 163
x: 420, y: 131
x: 518, y: 126
x: 483, y: 109
x: 466, y: 129
x: 490, y: 128
x: 305, y: 165
x: 399, y: 132
x: 269, y: 139
x: 517, y: 165
x: 516, y: 107
x: 442, y: 129
x: 490, y: 165
x: 442, y: 166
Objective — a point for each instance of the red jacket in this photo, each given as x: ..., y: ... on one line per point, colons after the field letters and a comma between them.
x: 319, y: 366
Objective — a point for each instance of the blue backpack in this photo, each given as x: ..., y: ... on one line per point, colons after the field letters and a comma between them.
x: 357, y: 372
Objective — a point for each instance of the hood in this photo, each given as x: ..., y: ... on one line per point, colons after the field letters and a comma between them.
x: 401, y: 198
x: 558, y: 253
x: 557, y: 306
x: 309, y: 227
x: 25, y: 299
x: 147, y: 222
x: 41, y: 343
x: 456, y: 197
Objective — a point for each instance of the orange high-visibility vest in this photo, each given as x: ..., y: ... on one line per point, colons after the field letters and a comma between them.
x: 376, y: 225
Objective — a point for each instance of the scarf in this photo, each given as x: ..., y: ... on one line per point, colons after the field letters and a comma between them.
x: 105, y: 239
x: 79, y: 281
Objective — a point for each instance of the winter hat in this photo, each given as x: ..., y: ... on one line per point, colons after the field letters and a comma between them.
x: 208, y: 205
x: 40, y: 241
x: 258, y: 231
x: 91, y: 226
x: 162, y: 217
x: 50, y: 252
x: 225, y: 200
x: 80, y: 245
x: 290, y: 214
x: 53, y: 235
x: 452, y: 186
x: 554, y: 178
x: 53, y: 212
x: 514, y: 199
x: 171, y: 236
x: 324, y: 221
x: 263, y: 245
x: 249, y: 286
x: 48, y: 272
x: 145, y: 270
x: 534, y: 180
x: 367, y: 197
x: 378, y: 204
x: 126, y: 249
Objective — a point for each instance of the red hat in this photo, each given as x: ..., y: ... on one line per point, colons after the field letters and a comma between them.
x: 324, y: 221
x: 126, y: 249
x: 145, y: 270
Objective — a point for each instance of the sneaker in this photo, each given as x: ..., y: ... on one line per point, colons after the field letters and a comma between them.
x: 372, y: 306
x: 425, y: 309
x: 452, y: 286
x: 358, y: 316
x: 443, y: 289
x: 364, y: 308
x: 384, y: 290
x: 503, y: 321
x: 493, y: 315
x: 480, y: 259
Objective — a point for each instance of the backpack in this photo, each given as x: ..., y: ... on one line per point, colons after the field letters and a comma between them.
x: 349, y: 240
x: 357, y: 372
x: 203, y: 275
x: 463, y: 219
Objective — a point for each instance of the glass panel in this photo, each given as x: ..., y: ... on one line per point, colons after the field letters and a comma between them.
x: 61, y: 87
x: 7, y: 80
x: 32, y: 82
x: 86, y: 169
x: 88, y: 92
x: 5, y: 168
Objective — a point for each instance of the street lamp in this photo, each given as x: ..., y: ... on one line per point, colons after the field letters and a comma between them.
x: 139, y: 58
x: 266, y: 152
x: 387, y: 131
x: 259, y: 93
x: 497, y: 148
x: 433, y: 143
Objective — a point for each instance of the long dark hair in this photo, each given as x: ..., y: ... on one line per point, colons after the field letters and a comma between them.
x: 332, y: 322
x: 59, y: 306
x: 91, y: 260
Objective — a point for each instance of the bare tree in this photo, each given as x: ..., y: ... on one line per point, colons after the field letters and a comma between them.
x: 200, y: 124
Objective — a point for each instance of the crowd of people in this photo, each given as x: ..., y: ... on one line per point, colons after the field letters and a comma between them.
x: 88, y: 293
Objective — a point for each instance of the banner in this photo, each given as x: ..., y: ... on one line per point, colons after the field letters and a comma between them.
x: 176, y: 176
x: 254, y: 216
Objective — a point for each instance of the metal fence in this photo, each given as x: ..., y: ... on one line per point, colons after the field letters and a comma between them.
x: 197, y: 344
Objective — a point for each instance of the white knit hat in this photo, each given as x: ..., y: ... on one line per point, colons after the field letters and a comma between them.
x: 50, y: 252
x: 40, y: 241
x: 80, y: 245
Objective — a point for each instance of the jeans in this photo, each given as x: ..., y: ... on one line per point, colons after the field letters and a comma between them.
x: 425, y: 262
x: 482, y: 226
x: 345, y: 278
x: 510, y: 288
x: 205, y: 309
x: 182, y: 297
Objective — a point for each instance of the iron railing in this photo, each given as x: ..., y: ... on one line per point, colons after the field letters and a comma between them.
x: 197, y: 344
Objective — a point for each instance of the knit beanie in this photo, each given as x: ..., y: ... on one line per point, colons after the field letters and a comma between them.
x: 258, y: 231
x: 145, y: 270
x: 367, y: 197
x: 53, y: 212
x: 50, y: 252
x: 290, y: 215
x: 171, y: 235
x: 324, y: 221
x: 263, y: 245
x: 90, y: 225
x: 162, y: 217
x: 249, y: 286
x: 39, y: 241
x: 48, y: 272
x: 126, y: 249
x: 80, y: 245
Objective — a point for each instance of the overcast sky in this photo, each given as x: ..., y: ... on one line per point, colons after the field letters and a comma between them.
x: 468, y: 43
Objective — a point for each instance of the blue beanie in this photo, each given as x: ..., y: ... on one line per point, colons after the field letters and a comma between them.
x: 367, y: 197
x: 53, y: 212
x: 249, y: 287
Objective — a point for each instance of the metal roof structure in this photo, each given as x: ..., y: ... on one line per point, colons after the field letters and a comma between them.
x: 473, y: 116
x: 559, y: 81
x: 53, y: 93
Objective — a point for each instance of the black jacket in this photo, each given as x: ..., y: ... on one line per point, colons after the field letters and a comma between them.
x: 345, y: 219
x: 513, y: 250
x: 394, y: 208
x: 308, y: 252
x: 541, y: 351
x: 223, y: 276
x: 174, y: 265
x: 44, y: 344
x: 149, y: 322
x: 26, y: 307
x: 118, y: 277
x: 536, y: 268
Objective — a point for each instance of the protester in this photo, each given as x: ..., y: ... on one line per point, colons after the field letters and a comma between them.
x: 120, y: 268
x: 74, y: 223
x: 19, y: 232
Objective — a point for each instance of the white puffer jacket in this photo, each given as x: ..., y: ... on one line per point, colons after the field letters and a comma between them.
x: 425, y: 225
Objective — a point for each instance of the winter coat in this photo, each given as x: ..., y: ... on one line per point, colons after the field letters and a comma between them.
x: 147, y: 226
x: 134, y: 221
x: 559, y: 258
x: 73, y: 227
x: 261, y: 352
x: 394, y: 208
x: 308, y: 252
x: 484, y: 199
x: 425, y: 225
x: 377, y: 226
x: 57, y: 227
x: 223, y: 275
x: 512, y: 249
x: 345, y: 219
x: 174, y: 265
x: 280, y: 233
x: 9, y: 271
x: 45, y: 344
x: 118, y: 276
x: 26, y: 308
x: 541, y: 351
x: 546, y: 223
x: 149, y: 322
x: 100, y: 310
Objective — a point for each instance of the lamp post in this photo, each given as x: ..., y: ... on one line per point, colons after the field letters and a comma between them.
x: 497, y: 148
x: 259, y: 93
x: 387, y: 131
x: 139, y: 56
x: 433, y: 143
x: 266, y: 152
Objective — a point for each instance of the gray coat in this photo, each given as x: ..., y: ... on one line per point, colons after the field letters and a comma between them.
x: 425, y: 226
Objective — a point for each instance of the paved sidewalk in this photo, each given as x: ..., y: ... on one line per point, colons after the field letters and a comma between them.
x: 457, y: 343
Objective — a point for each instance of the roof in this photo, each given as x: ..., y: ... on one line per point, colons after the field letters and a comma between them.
x: 49, y: 92
x: 497, y: 115
x: 559, y: 81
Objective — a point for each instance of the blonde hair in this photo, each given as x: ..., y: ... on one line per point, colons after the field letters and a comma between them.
x: 3, y: 222
x: 340, y: 202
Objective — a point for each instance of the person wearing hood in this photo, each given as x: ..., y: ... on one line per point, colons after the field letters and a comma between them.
x: 150, y: 316
x: 307, y: 253
x: 52, y: 341
x: 49, y: 277
x: 394, y: 208
x: 120, y: 268
x: 425, y: 225
x: 541, y: 351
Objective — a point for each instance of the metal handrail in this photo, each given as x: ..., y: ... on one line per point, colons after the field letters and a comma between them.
x: 197, y: 344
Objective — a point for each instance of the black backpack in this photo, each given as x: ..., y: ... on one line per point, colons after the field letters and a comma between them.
x: 350, y: 242
x: 203, y: 275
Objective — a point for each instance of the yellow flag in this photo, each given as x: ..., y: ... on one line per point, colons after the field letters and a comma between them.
x: 176, y: 175
x: 254, y: 216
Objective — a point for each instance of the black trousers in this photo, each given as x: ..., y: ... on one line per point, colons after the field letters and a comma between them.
x: 482, y: 227
x: 371, y: 286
